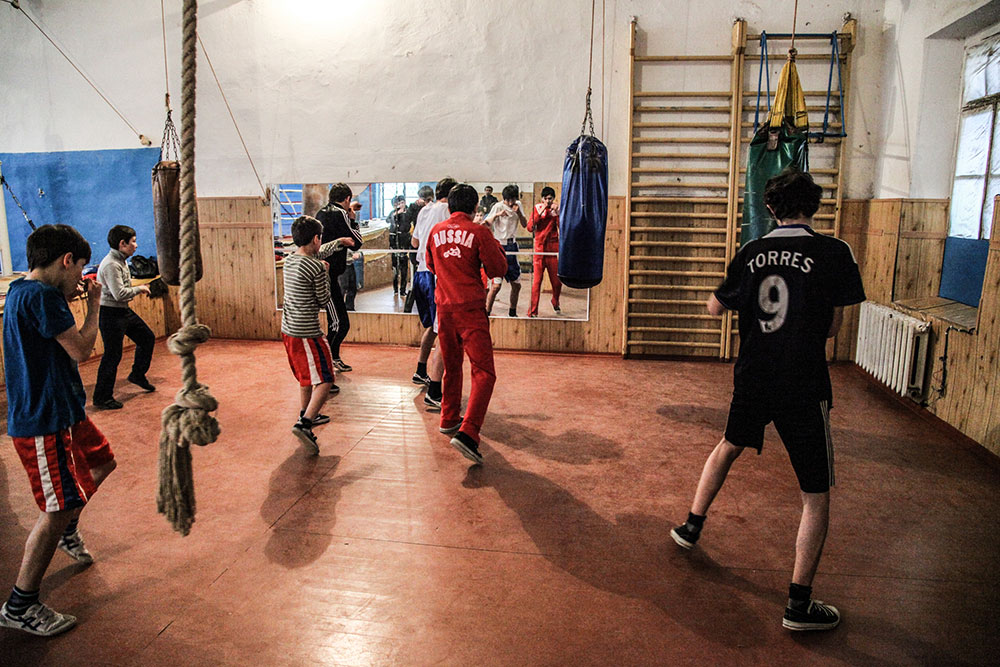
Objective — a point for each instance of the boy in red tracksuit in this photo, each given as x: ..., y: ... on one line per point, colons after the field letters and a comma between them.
x: 456, y: 250
x: 544, y: 223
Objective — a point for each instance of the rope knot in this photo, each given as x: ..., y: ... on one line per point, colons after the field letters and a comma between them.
x: 186, y: 339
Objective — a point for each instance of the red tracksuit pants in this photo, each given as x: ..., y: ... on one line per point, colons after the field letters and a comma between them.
x: 540, y: 264
x: 466, y: 332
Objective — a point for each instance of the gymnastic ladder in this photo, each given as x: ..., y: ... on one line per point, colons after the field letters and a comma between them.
x: 683, y: 208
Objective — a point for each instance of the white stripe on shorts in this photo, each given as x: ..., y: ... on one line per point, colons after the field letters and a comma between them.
x: 314, y: 375
x: 51, y: 501
x: 824, y: 407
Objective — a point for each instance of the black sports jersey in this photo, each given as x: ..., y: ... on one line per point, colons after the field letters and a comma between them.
x: 785, y: 286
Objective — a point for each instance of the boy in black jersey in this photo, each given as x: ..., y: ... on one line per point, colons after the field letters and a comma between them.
x: 789, y: 288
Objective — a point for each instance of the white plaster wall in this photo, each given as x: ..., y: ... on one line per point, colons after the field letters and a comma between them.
x: 381, y: 89
x: 921, y: 89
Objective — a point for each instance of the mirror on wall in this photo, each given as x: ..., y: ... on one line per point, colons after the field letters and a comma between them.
x: 379, y: 276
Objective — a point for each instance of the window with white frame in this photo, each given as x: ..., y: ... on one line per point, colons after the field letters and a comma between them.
x: 977, y: 163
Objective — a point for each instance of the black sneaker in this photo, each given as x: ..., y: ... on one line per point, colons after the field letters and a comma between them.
x: 467, y: 446
x: 334, y: 390
x: 318, y: 419
x: 432, y: 403
x: 684, y: 536
x: 511, y: 313
x: 306, y: 436
x: 815, y: 616
x: 421, y: 379
x: 110, y: 404
x: 556, y: 308
x: 341, y: 366
x: 142, y: 382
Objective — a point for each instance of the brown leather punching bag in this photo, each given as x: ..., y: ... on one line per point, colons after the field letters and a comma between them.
x: 167, y: 220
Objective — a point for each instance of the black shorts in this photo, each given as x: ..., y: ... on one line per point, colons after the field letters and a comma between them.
x: 804, y: 429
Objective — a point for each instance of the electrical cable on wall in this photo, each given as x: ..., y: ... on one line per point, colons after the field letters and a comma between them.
x: 143, y: 139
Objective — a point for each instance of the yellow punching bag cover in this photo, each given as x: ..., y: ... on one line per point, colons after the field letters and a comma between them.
x: 167, y: 220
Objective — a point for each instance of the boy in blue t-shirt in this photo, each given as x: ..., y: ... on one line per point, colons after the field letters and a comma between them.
x: 63, y: 452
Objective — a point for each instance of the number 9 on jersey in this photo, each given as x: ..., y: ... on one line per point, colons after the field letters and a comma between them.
x: 772, y: 297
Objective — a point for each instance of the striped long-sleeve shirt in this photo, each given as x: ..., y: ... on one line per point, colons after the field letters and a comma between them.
x: 307, y: 291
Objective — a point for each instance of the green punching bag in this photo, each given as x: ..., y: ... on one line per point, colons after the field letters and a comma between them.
x: 780, y: 144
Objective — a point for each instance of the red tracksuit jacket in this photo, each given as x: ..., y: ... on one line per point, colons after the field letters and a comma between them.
x: 544, y: 222
x: 456, y: 249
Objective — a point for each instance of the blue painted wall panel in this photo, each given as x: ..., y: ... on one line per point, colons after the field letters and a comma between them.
x: 90, y: 190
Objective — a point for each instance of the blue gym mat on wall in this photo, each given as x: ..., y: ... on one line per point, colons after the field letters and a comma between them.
x: 90, y: 190
x: 963, y: 269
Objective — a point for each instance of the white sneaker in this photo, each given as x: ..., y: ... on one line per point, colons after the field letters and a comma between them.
x: 38, y: 620
x: 74, y: 546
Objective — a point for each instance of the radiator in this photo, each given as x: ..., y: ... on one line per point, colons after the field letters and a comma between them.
x: 893, y: 348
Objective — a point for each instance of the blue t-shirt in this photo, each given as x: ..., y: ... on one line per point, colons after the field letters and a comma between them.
x: 44, y: 390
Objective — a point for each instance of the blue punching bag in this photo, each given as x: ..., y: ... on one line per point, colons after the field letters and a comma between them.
x: 583, y: 213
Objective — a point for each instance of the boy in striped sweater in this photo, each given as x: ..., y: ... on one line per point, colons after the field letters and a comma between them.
x: 307, y: 291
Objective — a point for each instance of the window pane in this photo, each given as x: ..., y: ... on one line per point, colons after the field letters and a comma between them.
x: 993, y: 69
x: 975, y: 74
x: 992, y: 190
x: 966, y: 207
x: 973, y: 143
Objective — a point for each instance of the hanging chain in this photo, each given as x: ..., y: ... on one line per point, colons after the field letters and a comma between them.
x: 588, y: 118
x: 171, y: 142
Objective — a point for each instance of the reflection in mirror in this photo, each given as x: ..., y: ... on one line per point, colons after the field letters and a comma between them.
x: 379, y: 276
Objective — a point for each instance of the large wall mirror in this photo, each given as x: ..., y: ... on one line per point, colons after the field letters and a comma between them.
x: 379, y: 276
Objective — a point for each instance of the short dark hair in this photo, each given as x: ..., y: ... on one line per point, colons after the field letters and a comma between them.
x: 120, y: 233
x: 397, y: 199
x: 50, y: 242
x: 488, y: 188
x: 444, y: 187
x: 339, y: 192
x: 546, y: 191
x: 511, y: 193
x: 792, y: 194
x: 463, y: 198
x: 305, y: 229
x: 425, y: 192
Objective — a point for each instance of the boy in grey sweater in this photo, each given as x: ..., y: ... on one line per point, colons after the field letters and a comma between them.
x: 118, y: 320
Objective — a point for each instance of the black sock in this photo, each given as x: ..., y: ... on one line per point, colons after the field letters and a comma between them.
x: 71, y: 528
x: 421, y: 368
x: 19, y: 601
x: 798, y: 595
x: 305, y: 421
x: 434, y: 389
x: 695, y: 522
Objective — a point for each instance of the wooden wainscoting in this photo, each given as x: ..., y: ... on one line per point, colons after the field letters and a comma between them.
x: 236, y: 294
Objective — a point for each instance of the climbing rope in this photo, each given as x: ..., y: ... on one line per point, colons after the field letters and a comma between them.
x: 188, y: 421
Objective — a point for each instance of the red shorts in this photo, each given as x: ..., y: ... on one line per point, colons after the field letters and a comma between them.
x: 310, y: 359
x: 59, y: 464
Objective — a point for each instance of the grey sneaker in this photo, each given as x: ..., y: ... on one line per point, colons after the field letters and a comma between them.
x: 74, y: 546
x: 306, y: 436
x: 451, y: 430
x: 815, y: 616
x: 38, y: 620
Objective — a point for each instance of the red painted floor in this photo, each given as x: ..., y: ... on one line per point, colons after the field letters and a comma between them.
x: 388, y: 548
